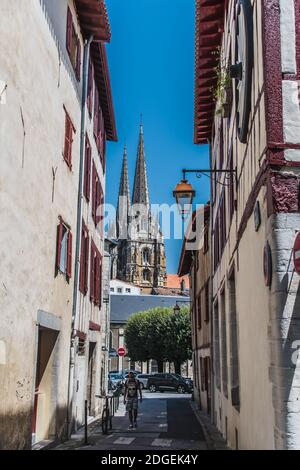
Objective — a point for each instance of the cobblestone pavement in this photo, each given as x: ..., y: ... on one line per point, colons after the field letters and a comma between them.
x: 166, y: 422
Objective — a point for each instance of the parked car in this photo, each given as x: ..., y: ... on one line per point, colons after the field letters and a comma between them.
x: 143, y: 379
x: 186, y: 379
x: 116, y: 379
x: 161, y: 382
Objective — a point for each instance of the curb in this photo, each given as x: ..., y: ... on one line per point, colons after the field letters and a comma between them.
x: 212, y: 442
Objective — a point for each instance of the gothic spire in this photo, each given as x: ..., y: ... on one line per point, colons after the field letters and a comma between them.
x: 124, y: 194
x: 140, y: 189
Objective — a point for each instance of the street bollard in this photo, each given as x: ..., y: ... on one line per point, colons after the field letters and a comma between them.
x: 86, y: 422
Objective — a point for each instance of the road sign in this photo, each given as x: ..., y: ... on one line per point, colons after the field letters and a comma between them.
x: 121, y: 352
x: 296, y: 254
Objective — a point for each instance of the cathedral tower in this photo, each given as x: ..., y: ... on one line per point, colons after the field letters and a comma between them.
x: 141, y: 254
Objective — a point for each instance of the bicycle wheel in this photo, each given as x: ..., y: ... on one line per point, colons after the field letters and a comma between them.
x: 105, y: 418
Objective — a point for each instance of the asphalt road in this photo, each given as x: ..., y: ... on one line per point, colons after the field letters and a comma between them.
x: 166, y: 421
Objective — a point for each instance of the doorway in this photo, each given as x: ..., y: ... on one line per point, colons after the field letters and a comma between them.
x: 44, y: 413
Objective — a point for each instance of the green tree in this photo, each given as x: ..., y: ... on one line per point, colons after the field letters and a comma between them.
x: 178, y: 338
x: 160, y: 334
x: 136, y: 336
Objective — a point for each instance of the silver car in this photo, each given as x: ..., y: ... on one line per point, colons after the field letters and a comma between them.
x: 143, y: 379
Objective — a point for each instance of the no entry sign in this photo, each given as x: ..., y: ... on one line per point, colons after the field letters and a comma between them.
x: 296, y: 254
x: 121, y: 352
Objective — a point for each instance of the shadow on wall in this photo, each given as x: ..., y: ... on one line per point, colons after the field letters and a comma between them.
x: 284, y: 360
x: 16, y: 429
x: 62, y: 57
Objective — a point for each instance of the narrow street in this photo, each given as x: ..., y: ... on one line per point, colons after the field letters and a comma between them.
x: 166, y: 422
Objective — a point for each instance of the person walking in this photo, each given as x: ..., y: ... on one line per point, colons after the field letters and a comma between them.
x: 132, y: 389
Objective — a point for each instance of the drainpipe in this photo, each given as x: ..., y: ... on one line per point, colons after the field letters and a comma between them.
x: 86, y: 56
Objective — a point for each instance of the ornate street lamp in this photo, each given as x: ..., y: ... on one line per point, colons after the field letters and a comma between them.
x: 184, y: 195
x: 184, y: 192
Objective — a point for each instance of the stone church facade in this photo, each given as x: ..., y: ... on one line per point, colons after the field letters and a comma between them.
x: 141, y: 258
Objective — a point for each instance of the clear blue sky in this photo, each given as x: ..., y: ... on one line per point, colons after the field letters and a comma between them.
x: 151, y: 59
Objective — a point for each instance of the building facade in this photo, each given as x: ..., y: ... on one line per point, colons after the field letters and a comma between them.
x: 196, y: 264
x: 252, y: 124
x: 46, y: 167
x: 141, y: 251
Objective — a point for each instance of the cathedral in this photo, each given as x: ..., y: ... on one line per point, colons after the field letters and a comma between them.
x: 141, y: 258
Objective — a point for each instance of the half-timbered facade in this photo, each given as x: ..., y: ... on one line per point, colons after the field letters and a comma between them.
x: 247, y: 110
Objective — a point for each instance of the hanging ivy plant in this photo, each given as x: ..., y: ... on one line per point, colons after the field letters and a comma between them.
x: 222, y: 92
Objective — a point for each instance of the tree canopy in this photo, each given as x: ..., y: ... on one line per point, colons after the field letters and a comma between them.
x: 160, y: 334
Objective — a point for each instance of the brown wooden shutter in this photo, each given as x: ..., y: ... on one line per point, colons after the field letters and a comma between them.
x: 78, y: 60
x: 82, y: 262
x: 98, y: 186
x: 86, y: 277
x: 90, y: 88
x: 68, y: 141
x: 87, y: 169
x: 96, y: 113
x: 94, y: 182
x: 100, y: 280
x: 58, y: 244
x: 92, y: 273
x: 69, y: 256
x: 97, y: 296
x: 69, y: 31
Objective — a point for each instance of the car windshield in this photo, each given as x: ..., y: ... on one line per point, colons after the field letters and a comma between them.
x: 116, y: 377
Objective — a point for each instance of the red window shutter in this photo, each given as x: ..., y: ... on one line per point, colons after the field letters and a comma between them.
x: 86, y: 267
x: 78, y: 60
x: 82, y: 262
x: 90, y: 87
x: 87, y: 169
x: 58, y: 247
x: 69, y: 31
x: 94, y: 183
x: 96, y: 113
x: 97, y: 201
x: 68, y: 141
x: 69, y: 256
x: 92, y: 273
x: 100, y: 281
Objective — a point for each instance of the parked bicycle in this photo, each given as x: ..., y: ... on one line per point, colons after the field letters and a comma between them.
x: 111, y: 405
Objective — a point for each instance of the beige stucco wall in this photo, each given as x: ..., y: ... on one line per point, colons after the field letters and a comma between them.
x: 40, y: 82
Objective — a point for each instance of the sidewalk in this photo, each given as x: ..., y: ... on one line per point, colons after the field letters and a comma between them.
x: 214, y: 438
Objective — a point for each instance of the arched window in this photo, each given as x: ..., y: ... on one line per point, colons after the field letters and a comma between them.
x: 146, y: 256
x: 146, y: 275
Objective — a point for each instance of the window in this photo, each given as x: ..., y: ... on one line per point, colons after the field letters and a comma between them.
x: 224, y: 345
x: 217, y: 346
x: 95, y: 275
x: 234, y: 349
x: 128, y: 291
x: 146, y: 256
x: 69, y: 131
x: 64, y: 250
x: 207, y: 302
x: 231, y: 186
x: 112, y: 289
x: 87, y: 169
x: 199, y: 312
x: 99, y: 132
x: 84, y: 260
x: 73, y: 45
x: 146, y: 275
x: 97, y: 200
x: 90, y: 92
x: 120, y: 290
